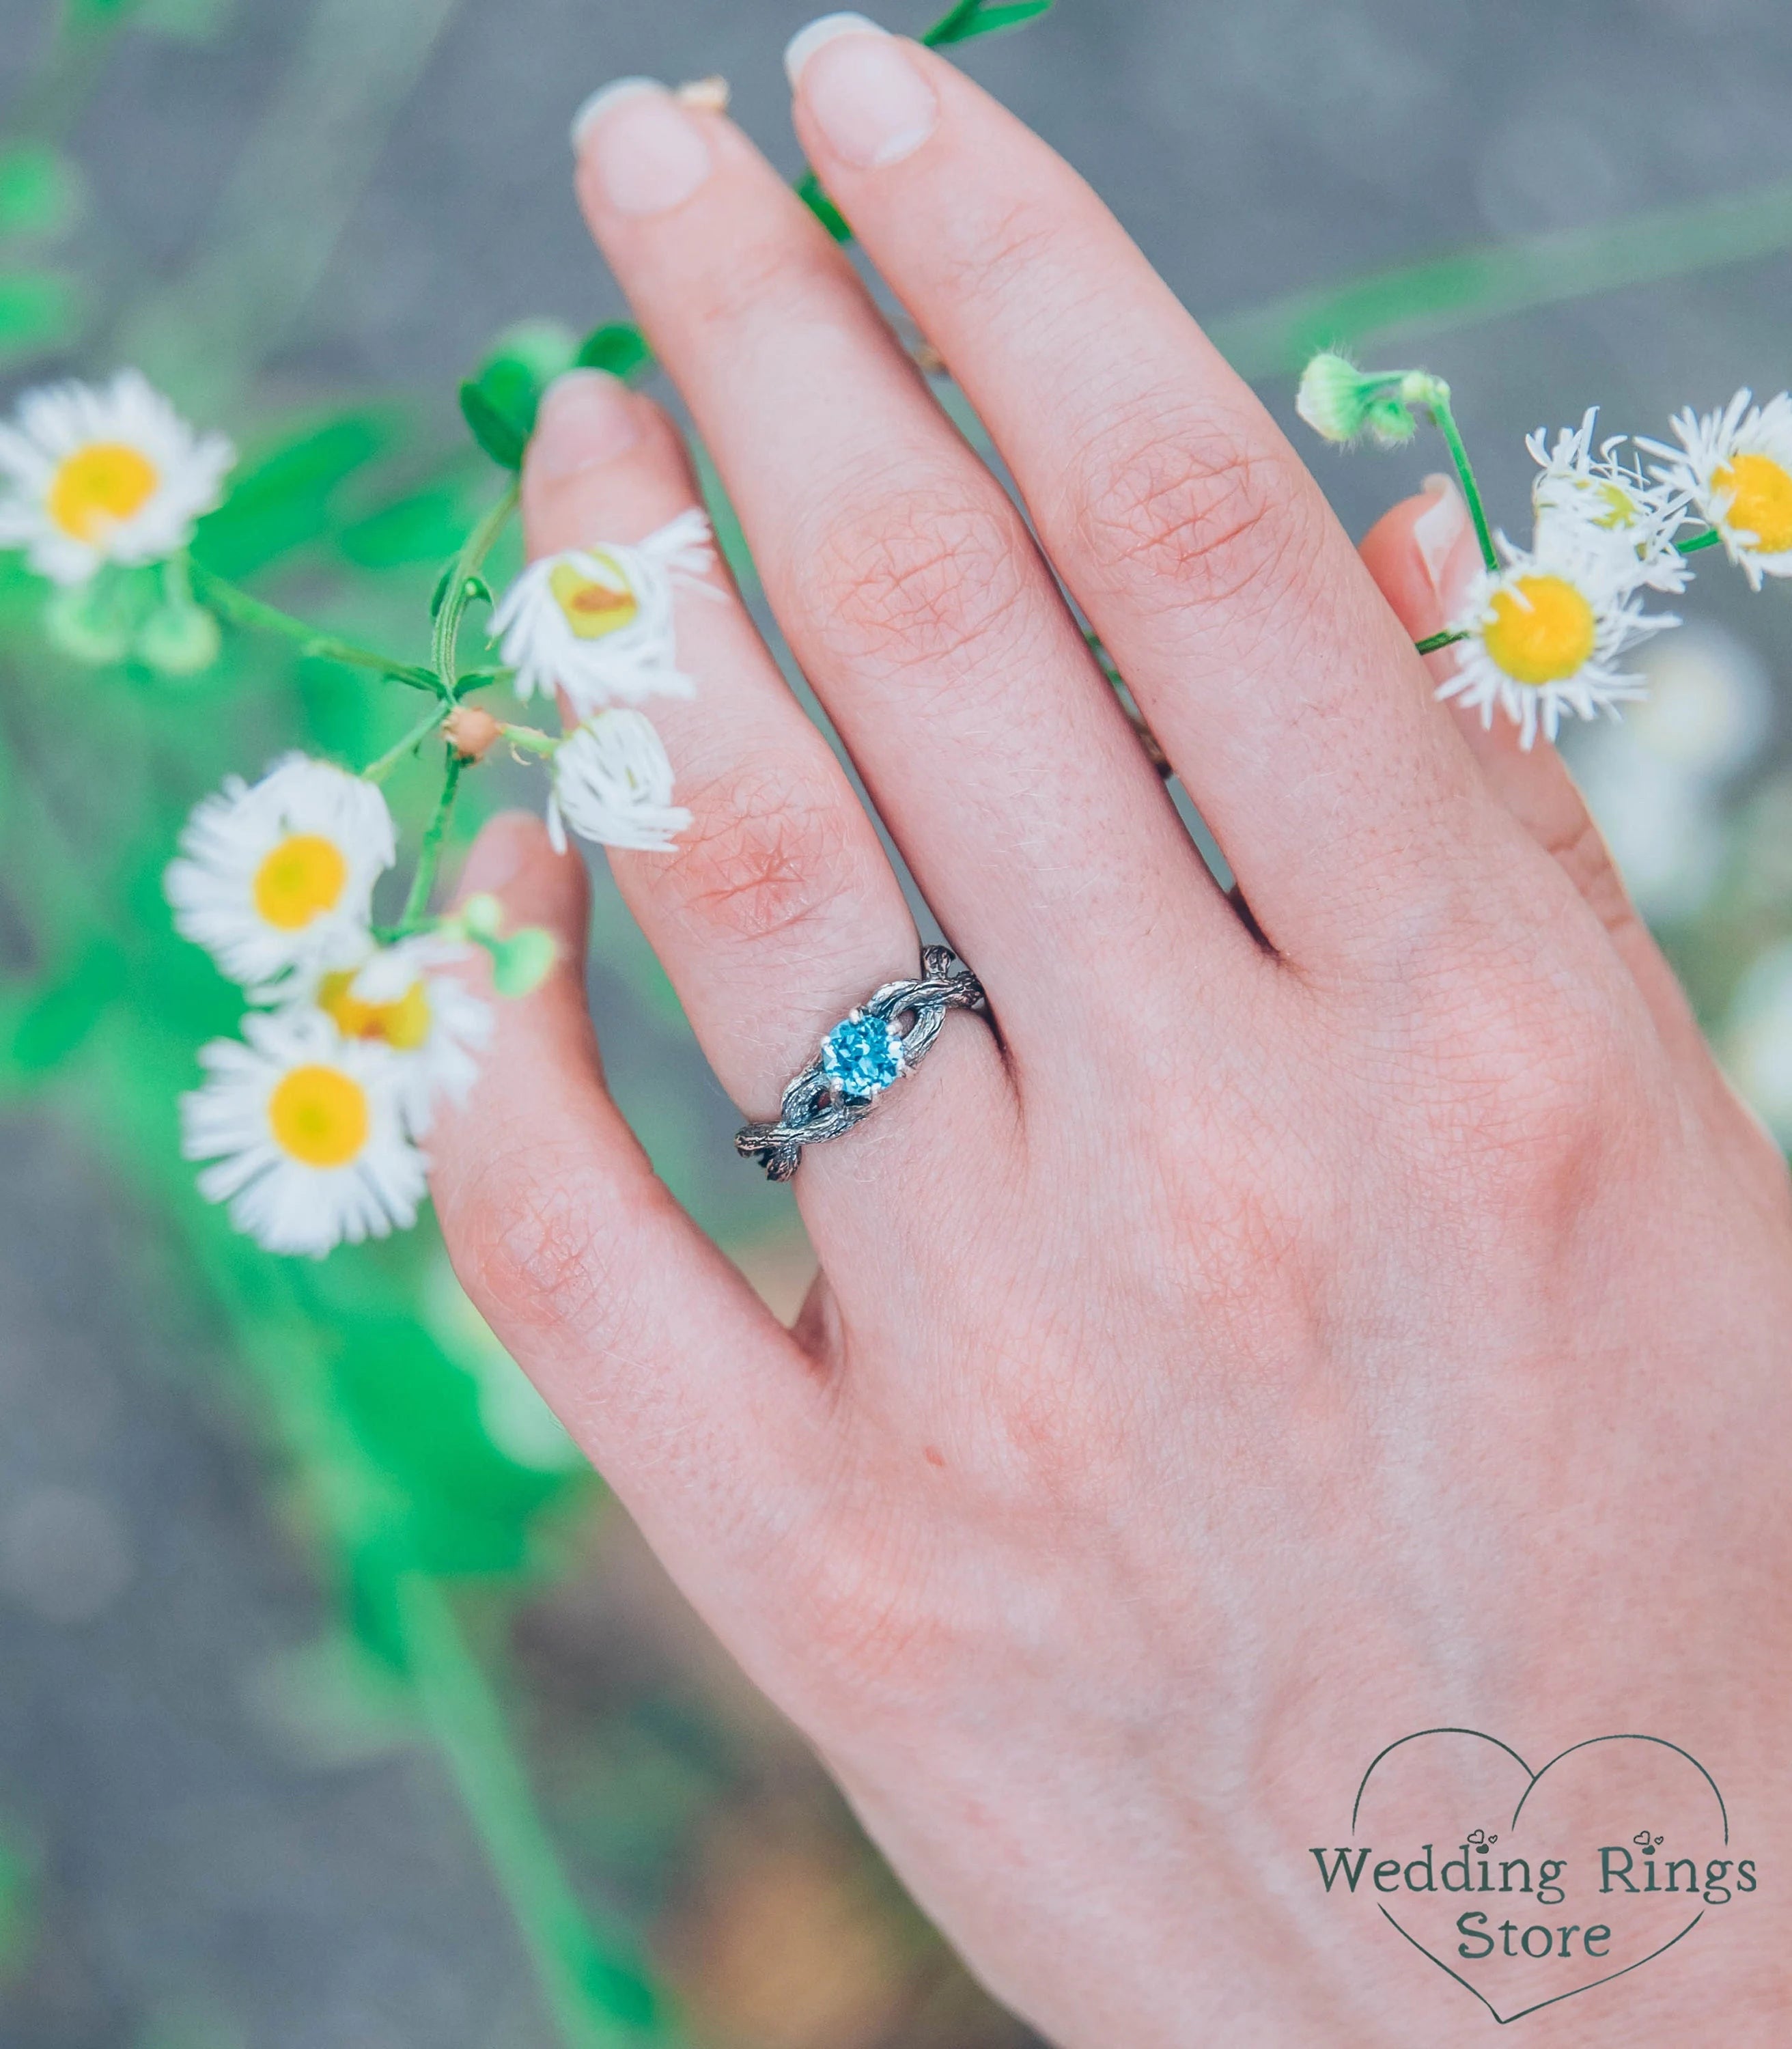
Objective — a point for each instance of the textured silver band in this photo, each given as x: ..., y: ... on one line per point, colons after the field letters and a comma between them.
x: 814, y: 1108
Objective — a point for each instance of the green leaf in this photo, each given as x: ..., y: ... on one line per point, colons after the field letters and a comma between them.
x: 618, y: 347
x: 522, y: 962
x: 972, y: 18
x: 449, y: 1500
x: 178, y: 639
x: 421, y: 528
x: 39, y: 191
x: 809, y: 190
x: 502, y: 437
x: 499, y: 402
x: 57, y: 1021
x: 540, y: 349
x: 39, y: 310
x: 287, y: 499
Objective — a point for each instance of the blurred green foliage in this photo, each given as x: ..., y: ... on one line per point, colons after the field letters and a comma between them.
x: 18, y: 1905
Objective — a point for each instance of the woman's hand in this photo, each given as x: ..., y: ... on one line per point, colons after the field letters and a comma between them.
x: 1244, y: 1354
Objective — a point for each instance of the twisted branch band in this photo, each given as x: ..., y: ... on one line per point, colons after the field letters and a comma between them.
x: 860, y: 1058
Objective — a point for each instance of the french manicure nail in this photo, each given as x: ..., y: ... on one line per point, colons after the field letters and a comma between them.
x: 593, y: 105
x: 1439, y: 532
x: 587, y: 418
x: 863, y: 88
x: 647, y: 152
x: 825, y: 28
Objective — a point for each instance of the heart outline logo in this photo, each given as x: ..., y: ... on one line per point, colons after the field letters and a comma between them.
x: 1533, y: 1780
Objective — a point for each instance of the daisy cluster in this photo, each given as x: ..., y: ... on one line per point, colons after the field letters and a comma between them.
x: 311, y: 1125
x: 1545, y: 632
x: 595, y: 625
x: 312, y: 1121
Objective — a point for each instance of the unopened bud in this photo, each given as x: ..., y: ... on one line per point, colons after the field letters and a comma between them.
x: 707, y: 96
x: 1340, y: 401
x: 471, y: 732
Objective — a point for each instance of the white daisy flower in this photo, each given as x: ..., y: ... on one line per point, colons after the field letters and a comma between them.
x: 598, y: 621
x: 96, y: 474
x: 1546, y: 631
x: 1737, y: 467
x: 1610, y: 497
x: 399, y: 998
x: 306, y: 1132
x: 613, y: 784
x: 281, y: 874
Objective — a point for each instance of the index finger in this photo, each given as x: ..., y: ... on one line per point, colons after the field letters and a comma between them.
x: 1277, y: 678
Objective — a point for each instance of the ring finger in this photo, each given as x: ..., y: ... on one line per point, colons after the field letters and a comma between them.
x: 777, y: 910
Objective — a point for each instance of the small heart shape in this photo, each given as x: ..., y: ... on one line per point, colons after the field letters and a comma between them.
x: 1572, y: 1901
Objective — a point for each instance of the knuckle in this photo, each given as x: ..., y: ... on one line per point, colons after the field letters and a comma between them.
x: 1536, y: 1102
x: 1203, y: 508
x: 923, y: 576
x: 526, y: 1242
x: 868, y: 1619
x: 766, y: 854
x: 1581, y: 853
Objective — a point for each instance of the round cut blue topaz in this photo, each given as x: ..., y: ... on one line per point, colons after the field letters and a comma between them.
x: 860, y: 1056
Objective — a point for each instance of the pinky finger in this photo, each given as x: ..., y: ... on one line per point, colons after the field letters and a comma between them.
x: 1423, y: 555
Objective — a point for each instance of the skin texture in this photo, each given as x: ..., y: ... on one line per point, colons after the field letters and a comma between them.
x: 1243, y: 1354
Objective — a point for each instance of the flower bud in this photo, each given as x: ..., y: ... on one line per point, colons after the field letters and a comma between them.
x: 179, y: 640
x: 1340, y: 401
x: 472, y: 732
x: 706, y: 95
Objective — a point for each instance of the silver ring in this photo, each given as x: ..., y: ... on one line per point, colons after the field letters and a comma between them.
x: 864, y: 1054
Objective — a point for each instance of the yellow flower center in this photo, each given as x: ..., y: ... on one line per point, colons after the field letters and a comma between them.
x: 593, y: 606
x: 320, y: 1116
x: 1543, y: 630
x: 403, y: 1023
x: 100, y: 485
x: 1617, y: 507
x: 1760, y: 495
x: 302, y: 878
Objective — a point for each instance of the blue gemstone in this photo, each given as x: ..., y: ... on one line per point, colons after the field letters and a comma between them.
x: 861, y: 1055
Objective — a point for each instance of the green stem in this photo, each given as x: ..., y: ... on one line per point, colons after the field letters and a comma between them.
x: 1421, y: 388
x: 474, y: 550
x: 1433, y: 641
x: 377, y: 771
x: 429, y: 857
x: 575, y: 1966
x: 238, y: 606
x: 531, y: 740
x: 1707, y: 540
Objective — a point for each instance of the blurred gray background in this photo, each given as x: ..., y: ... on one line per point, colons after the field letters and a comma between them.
x: 353, y: 195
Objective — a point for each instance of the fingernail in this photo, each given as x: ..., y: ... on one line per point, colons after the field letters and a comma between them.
x: 1440, y: 531
x: 648, y: 154
x: 508, y: 844
x: 587, y: 418
x: 863, y: 88
x: 606, y: 96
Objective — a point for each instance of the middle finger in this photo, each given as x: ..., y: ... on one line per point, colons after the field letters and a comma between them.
x: 1271, y: 669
